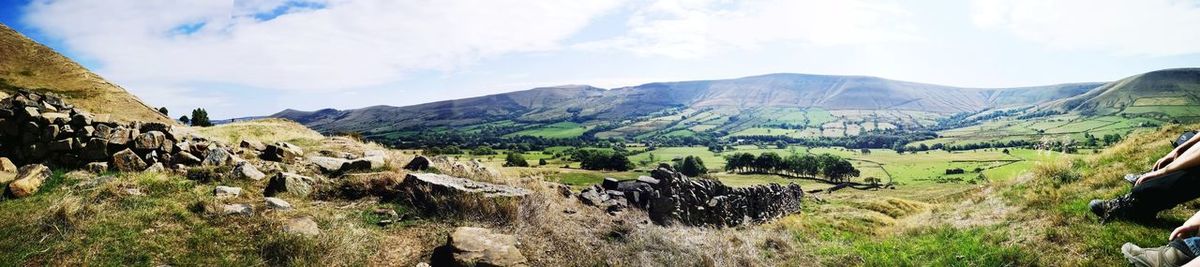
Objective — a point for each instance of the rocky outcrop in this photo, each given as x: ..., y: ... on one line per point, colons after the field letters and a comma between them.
x: 42, y: 128
x: 472, y: 246
x: 29, y: 179
x: 447, y: 195
x: 671, y: 198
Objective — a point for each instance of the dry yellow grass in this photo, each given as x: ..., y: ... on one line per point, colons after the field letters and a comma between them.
x: 262, y: 130
x: 27, y: 64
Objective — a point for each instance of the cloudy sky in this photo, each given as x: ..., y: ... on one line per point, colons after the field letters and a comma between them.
x: 256, y: 57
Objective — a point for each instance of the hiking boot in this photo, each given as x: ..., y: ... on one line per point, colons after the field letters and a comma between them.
x: 1117, y: 208
x: 1132, y: 178
x: 1154, y: 257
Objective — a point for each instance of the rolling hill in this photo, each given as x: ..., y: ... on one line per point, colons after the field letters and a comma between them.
x: 729, y: 105
x: 1164, y: 94
x: 27, y: 64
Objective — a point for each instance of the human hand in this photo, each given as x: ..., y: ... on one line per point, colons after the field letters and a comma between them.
x: 1188, y: 227
x: 1165, y: 160
x: 1148, y: 176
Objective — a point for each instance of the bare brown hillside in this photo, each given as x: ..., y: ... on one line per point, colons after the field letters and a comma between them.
x: 25, y: 63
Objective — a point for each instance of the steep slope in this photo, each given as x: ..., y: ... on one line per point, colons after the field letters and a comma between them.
x: 590, y: 104
x: 28, y: 64
x: 1170, y: 92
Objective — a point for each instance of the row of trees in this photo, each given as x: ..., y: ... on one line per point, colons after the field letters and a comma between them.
x: 830, y: 166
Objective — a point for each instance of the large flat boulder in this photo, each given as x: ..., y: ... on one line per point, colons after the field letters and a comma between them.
x: 472, y: 246
x: 282, y: 152
x: 453, y: 196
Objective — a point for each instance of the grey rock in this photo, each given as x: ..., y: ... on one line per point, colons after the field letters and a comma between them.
x: 150, y: 140
x: 217, y: 157
x: 278, y: 203
x: 227, y: 191
x: 472, y: 246
x: 289, y: 183
x: 302, y: 226
x: 237, y: 209
x: 282, y: 152
x: 127, y: 161
x: 245, y: 170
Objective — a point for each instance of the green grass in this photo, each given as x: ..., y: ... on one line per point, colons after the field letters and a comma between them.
x: 556, y: 130
x: 104, y: 226
x: 940, y: 246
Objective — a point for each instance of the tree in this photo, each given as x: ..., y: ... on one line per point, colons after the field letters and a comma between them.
x: 162, y: 110
x: 514, y: 159
x: 541, y: 162
x: 691, y: 166
x: 200, y: 118
x: 619, y: 162
x: 185, y: 120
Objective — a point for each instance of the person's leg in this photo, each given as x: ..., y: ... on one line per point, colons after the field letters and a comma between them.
x: 1150, y: 197
x: 1176, y: 253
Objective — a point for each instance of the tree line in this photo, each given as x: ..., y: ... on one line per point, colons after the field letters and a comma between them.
x: 829, y: 166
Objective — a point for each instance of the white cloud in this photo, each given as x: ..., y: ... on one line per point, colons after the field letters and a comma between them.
x: 312, y: 46
x: 696, y: 28
x: 1125, y: 27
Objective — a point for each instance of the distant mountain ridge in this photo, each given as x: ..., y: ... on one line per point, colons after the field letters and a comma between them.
x: 586, y: 103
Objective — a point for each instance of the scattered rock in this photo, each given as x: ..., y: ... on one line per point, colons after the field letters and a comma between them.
x: 150, y: 140
x: 217, y: 157
x: 253, y: 145
x: 127, y: 161
x: 282, y: 152
x: 245, y: 170
x: 183, y: 157
x: 329, y: 165
x: 97, y: 167
x: 278, y: 203
x: 290, y: 183
x: 237, y: 209
x: 29, y: 179
x: 156, y: 167
x: 8, y: 170
x: 471, y: 246
x: 302, y: 226
x: 419, y: 163
x: 227, y: 191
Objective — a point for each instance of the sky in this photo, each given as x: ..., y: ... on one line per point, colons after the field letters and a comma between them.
x: 239, y: 58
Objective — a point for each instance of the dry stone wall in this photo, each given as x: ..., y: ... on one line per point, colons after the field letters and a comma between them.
x: 671, y: 198
x: 42, y: 128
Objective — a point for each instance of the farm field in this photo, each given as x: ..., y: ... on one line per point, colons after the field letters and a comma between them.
x: 556, y: 130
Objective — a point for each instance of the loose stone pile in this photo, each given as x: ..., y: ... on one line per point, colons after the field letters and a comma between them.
x: 671, y: 198
x: 37, y: 128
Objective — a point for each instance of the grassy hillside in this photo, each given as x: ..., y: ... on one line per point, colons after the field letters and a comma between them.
x: 848, y: 105
x: 27, y: 64
x: 1165, y: 94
